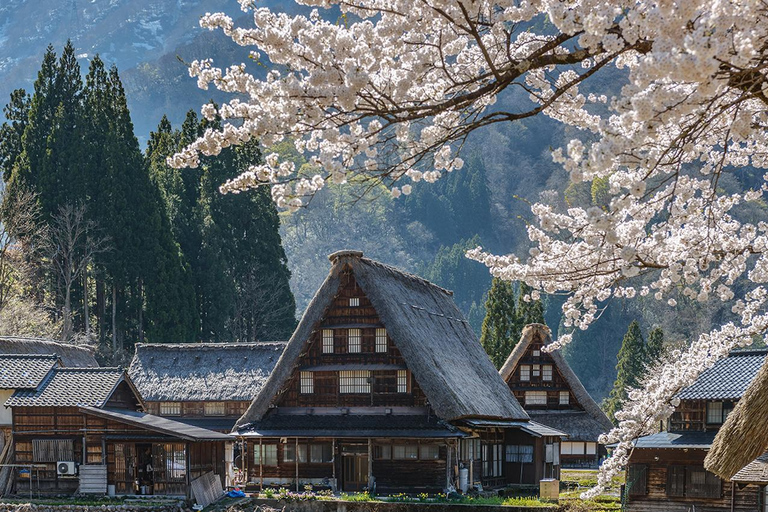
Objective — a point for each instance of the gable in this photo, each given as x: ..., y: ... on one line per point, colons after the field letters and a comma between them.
x: 435, y: 340
x: 350, y: 337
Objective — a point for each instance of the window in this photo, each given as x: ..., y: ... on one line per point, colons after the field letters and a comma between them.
x: 565, y: 398
x: 492, y: 459
x: 591, y: 448
x: 402, y: 381
x: 307, y: 382
x: 676, y: 481
x: 381, y: 340
x: 358, y: 381
x: 353, y: 341
x: 470, y: 449
x: 289, y: 453
x: 700, y: 483
x: 170, y: 408
x: 535, y: 398
x: 572, y: 448
x: 319, y: 453
x: 637, y: 476
x: 535, y: 370
x: 429, y: 452
x: 525, y: 372
x: 354, y: 302
x: 519, y: 453
x: 382, y: 452
x: 546, y: 372
x: 327, y: 341
x: 536, y: 353
x: 265, y: 454
x: 405, y: 452
x: 715, y: 412
x: 214, y: 409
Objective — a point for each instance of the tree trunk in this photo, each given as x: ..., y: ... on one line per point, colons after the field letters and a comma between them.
x: 86, y: 314
x: 66, y: 329
x: 101, y: 307
x: 114, y: 318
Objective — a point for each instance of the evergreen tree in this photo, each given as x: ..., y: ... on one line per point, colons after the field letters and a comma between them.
x: 452, y: 270
x: 655, y: 346
x: 500, y: 330
x: 16, y: 112
x: 630, y: 368
x: 529, y: 312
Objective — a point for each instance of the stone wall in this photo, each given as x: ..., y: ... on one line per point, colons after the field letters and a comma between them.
x: 362, y: 506
x: 123, y: 507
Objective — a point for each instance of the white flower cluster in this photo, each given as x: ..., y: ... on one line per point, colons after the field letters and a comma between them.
x: 392, y: 96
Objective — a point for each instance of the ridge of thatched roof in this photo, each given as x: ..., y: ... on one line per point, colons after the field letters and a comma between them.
x: 73, y: 356
x: 743, y: 436
x: 437, y: 343
x: 182, y: 372
x: 530, y: 332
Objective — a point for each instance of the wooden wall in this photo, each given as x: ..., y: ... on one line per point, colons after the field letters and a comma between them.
x: 196, y: 409
x: 658, y: 462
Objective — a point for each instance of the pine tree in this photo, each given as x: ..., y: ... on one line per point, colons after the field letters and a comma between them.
x: 16, y: 112
x: 630, y: 369
x: 497, y: 335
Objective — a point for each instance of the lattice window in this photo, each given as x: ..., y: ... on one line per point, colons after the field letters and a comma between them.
x: 715, y: 412
x: 405, y: 452
x: 429, y: 452
x: 591, y: 448
x: 52, y: 450
x: 565, y: 398
x: 354, y: 302
x: 265, y: 454
x: 381, y: 340
x: 525, y: 372
x: 358, y: 381
x: 170, y: 408
x: 519, y: 453
x: 307, y: 382
x: 546, y: 372
x: 536, y: 370
x: 327, y: 341
x: 214, y: 408
x: 535, y: 398
x: 536, y: 353
x: 402, y: 381
x: 353, y: 341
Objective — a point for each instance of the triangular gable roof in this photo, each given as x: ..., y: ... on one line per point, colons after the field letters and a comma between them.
x: 437, y: 343
x: 203, y: 371
x: 74, y: 387
x: 530, y: 332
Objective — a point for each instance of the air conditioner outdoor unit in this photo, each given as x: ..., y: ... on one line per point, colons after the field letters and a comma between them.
x: 65, y: 468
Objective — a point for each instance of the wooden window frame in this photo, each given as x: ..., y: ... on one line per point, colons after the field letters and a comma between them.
x: 354, y: 302
x: 328, y: 345
x: 170, y: 408
x: 382, y: 452
x: 546, y: 372
x: 538, y: 394
x: 535, y: 370
x: 640, y: 482
x: 354, y: 341
x: 403, y: 382
x: 214, y: 409
x: 306, y: 383
x: 354, y: 382
x: 269, y: 459
x: 409, y: 451
x: 564, y: 395
x: 381, y: 340
x: 525, y: 372
x: 429, y: 452
x: 325, y: 450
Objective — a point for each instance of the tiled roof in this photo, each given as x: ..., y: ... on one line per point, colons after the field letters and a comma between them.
x: 696, y: 440
x: 756, y: 472
x: 25, y: 371
x: 71, y: 387
x: 728, y: 379
x: 159, y: 424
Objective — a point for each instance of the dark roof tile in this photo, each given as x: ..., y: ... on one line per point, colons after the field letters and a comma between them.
x: 728, y: 379
x: 25, y: 371
x: 70, y: 387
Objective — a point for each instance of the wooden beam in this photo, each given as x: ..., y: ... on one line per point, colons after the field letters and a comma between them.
x: 297, y: 464
x: 370, y: 464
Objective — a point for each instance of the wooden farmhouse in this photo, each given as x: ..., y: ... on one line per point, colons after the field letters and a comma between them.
x: 384, y: 386
x: 208, y: 385
x: 740, y: 450
x: 666, y: 470
x: 553, y: 395
x: 83, y: 430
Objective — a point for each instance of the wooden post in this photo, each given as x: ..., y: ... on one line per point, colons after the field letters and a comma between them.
x: 261, y: 463
x: 370, y: 464
x: 447, y: 465
x: 297, y: 464
x: 188, y: 477
x: 471, y: 462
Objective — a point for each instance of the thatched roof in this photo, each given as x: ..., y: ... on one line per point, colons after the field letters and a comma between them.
x: 582, y: 427
x: 744, y: 435
x: 73, y: 356
x: 437, y: 343
x: 203, y: 371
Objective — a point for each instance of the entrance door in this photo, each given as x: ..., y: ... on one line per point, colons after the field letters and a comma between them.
x: 354, y: 462
x: 125, y: 468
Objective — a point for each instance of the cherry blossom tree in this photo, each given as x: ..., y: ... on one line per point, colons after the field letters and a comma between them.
x: 390, y: 94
